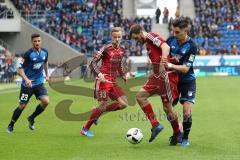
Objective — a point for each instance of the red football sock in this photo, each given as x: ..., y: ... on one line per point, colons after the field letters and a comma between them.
x: 113, y: 107
x: 175, y: 126
x: 147, y: 109
x: 96, y: 113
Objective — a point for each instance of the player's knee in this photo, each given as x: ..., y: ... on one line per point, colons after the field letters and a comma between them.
x: 102, y: 106
x: 166, y: 108
x: 139, y: 98
x: 22, y: 106
x: 123, y: 105
x: 171, y: 116
x: 186, y: 112
x: 187, y: 115
x: 45, y: 102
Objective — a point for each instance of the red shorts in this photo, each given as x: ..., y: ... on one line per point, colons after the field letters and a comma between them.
x: 106, y: 90
x: 165, y: 86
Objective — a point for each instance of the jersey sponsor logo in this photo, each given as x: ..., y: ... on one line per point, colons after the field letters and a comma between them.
x: 157, y: 42
x: 34, y: 59
x: 37, y: 65
x: 173, y: 47
x: 115, y: 60
x: 191, y: 58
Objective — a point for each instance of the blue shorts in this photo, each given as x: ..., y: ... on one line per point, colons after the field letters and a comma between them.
x: 187, y: 91
x: 26, y: 93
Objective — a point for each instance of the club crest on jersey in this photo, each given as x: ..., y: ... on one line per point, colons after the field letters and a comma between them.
x: 183, y: 51
x: 191, y: 58
x: 111, y: 53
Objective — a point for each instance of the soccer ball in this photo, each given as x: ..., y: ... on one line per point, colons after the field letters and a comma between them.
x: 134, y: 135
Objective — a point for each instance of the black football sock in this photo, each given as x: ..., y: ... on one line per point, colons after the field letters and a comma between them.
x: 39, y: 110
x: 16, y: 114
x: 187, y: 123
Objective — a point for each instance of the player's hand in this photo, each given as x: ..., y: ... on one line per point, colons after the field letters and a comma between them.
x: 101, y: 77
x: 169, y: 65
x: 164, y: 60
x: 125, y: 79
x: 47, y: 79
x: 28, y: 83
x: 174, y: 60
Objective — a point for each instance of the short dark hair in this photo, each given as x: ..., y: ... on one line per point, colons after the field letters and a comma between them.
x: 135, y: 29
x: 34, y: 35
x: 181, y: 22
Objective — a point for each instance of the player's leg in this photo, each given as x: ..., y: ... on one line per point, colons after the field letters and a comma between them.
x: 167, y: 89
x: 41, y: 94
x: 173, y: 119
x: 187, y: 122
x: 25, y: 95
x: 142, y: 99
x: 188, y: 91
x: 101, y: 94
x: 95, y: 114
x: 121, y: 103
x: 117, y: 94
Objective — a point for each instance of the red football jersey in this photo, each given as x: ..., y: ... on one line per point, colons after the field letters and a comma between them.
x: 112, y: 60
x: 153, y: 43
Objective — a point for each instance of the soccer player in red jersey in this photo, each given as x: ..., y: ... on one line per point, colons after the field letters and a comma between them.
x: 112, y: 56
x: 158, y: 82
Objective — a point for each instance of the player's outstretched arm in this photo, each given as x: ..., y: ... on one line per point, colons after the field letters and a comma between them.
x: 180, y: 68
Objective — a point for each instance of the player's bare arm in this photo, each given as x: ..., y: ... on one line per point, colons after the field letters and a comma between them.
x: 46, y: 71
x: 180, y: 68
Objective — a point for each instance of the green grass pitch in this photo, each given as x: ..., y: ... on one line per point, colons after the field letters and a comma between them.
x: 214, y: 136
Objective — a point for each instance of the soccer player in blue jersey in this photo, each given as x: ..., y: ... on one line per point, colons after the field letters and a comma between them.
x: 35, y: 60
x: 183, y: 51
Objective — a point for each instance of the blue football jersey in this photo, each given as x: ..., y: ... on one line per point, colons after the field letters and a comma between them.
x: 186, y: 53
x: 33, y: 65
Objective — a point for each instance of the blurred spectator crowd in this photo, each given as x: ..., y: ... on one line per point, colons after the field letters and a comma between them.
x: 8, y: 66
x: 82, y: 24
x: 216, y: 27
x: 5, y: 12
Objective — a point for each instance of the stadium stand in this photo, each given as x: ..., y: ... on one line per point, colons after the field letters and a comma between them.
x: 8, y: 65
x: 5, y: 12
x: 82, y: 24
x: 216, y: 27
